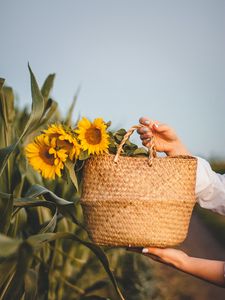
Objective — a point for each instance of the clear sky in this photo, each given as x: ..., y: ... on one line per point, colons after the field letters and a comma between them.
x: 164, y: 59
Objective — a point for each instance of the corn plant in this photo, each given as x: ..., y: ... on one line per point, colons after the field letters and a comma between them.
x: 45, y: 252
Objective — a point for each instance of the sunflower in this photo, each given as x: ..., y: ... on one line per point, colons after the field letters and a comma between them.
x: 64, y: 139
x: 93, y: 136
x: 45, y: 158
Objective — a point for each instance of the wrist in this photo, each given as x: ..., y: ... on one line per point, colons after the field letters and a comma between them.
x: 182, y: 262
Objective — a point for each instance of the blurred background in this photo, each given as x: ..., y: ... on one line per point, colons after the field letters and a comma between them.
x: 162, y: 59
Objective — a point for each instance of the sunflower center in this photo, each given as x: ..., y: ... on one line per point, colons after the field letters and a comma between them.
x: 47, y: 158
x: 64, y: 144
x: 93, y: 135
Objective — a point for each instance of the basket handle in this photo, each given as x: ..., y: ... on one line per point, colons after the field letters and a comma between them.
x: 151, y: 147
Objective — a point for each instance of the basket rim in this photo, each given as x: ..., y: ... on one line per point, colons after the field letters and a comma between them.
x: 177, y: 157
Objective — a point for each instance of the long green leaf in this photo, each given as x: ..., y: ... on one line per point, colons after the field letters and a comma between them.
x: 16, y: 288
x: 38, y: 190
x: 37, y: 111
x: 7, y: 268
x: 48, y: 226
x: 51, y: 108
x: 7, y: 111
x: 70, y: 167
x: 47, y: 86
x: 38, y: 103
x: 6, y: 211
x: 41, y: 239
x: 68, y: 120
x: 66, y: 208
x: 30, y: 285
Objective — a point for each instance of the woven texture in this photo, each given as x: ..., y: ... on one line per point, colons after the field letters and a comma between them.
x: 132, y: 203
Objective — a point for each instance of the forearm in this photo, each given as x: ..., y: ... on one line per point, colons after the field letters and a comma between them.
x: 209, y: 270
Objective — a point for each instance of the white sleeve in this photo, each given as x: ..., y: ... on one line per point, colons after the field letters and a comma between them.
x: 210, y: 187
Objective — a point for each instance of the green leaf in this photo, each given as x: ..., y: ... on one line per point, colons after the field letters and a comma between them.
x: 121, y: 132
x: 108, y: 124
x: 5, y: 195
x: 70, y: 167
x: 35, y: 117
x: 84, y: 155
x: 9, y: 246
x: 50, y: 111
x: 8, y: 105
x: 27, y: 202
x: 47, y: 86
x: 38, y: 103
x: 15, y: 289
x: 7, y: 115
x: 96, y: 286
x: 5, y: 154
x: 38, y: 190
x: 6, y: 211
x: 68, y: 120
x: 141, y: 151
x: 130, y: 145
x: 51, y: 108
x: 40, y: 239
x: 7, y: 268
x: 30, y: 285
x: 2, y: 80
x: 65, y: 207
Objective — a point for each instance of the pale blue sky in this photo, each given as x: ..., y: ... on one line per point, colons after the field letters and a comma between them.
x: 164, y: 59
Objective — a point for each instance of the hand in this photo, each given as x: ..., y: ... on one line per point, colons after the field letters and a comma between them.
x: 206, y: 269
x: 169, y: 256
x: 166, y: 139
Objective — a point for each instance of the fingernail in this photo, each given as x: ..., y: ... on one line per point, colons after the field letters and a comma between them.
x: 147, y: 122
x: 145, y: 129
x: 145, y: 250
x: 156, y: 125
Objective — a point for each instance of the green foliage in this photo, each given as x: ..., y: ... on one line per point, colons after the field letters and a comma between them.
x: 137, y: 278
x: 129, y: 149
x: 45, y: 252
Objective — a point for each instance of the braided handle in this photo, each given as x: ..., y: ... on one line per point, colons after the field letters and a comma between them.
x: 151, y: 148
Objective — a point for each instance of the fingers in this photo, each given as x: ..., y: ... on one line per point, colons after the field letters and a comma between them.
x: 149, y: 250
x: 152, y: 250
x: 145, y: 136
x: 153, y: 253
x: 160, y: 127
x: 145, y: 131
x: 146, y: 142
x: 149, y: 125
x: 145, y: 121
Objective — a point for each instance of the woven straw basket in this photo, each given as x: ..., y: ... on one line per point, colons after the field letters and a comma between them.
x: 138, y: 201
